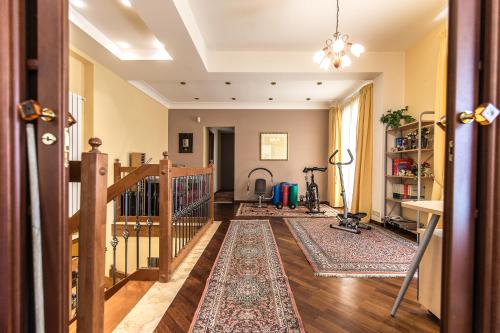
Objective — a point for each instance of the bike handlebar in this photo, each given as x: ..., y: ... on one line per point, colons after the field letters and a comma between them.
x: 330, y: 160
x: 306, y: 169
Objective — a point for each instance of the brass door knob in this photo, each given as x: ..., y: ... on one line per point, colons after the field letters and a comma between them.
x: 485, y: 114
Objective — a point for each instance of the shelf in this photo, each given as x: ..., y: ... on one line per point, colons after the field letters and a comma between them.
x: 409, y: 151
x: 410, y: 126
x: 405, y: 225
x: 399, y: 200
x: 408, y: 177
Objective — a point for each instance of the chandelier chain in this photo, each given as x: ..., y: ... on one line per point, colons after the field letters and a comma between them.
x: 337, y: 25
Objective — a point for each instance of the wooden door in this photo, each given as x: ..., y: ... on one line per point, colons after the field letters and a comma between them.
x: 487, y: 273
x: 470, y: 255
x: 227, y: 161
x: 33, y: 65
x: 51, y: 74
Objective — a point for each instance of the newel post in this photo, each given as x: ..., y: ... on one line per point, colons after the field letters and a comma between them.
x: 92, y: 234
x: 165, y: 218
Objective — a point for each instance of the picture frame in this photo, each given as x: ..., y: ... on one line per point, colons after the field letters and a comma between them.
x: 273, y: 146
x: 185, y: 143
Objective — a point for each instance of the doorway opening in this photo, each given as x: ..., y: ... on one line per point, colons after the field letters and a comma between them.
x: 221, y: 154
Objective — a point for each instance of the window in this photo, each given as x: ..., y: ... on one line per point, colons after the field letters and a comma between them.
x: 348, y: 139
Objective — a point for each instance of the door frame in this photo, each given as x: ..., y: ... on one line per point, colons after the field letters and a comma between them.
x: 14, y: 307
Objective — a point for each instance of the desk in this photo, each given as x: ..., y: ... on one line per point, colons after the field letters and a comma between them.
x: 436, y: 209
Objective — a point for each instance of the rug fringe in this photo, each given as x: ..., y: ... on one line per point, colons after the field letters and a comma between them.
x: 361, y: 275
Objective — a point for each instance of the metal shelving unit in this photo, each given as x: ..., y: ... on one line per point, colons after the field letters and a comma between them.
x: 391, y: 204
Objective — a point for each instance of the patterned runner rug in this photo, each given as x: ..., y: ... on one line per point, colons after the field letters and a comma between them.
x: 247, y: 290
x: 269, y: 210
x: 331, y: 252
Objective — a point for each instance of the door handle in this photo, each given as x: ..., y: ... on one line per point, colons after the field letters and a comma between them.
x: 484, y: 114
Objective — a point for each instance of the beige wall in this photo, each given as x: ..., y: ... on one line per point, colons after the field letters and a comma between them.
x: 126, y: 120
x: 420, y: 72
x: 308, y: 141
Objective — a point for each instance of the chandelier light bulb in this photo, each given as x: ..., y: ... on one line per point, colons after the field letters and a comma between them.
x: 346, y: 61
x: 325, y: 64
x: 338, y: 46
x: 319, y: 56
x: 357, y: 49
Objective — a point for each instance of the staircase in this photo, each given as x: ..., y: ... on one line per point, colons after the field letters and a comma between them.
x: 157, y: 214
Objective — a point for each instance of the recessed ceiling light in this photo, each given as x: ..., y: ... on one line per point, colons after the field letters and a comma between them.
x: 228, y: 83
x: 157, y: 44
x: 126, y: 3
x: 273, y: 83
x: 270, y: 98
x: 123, y: 45
x: 308, y: 98
x: 78, y: 3
x: 319, y: 83
x: 233, y: 98
x: 183, y: 83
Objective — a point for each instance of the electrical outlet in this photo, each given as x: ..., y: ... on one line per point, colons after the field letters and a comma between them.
x: 375, y: 213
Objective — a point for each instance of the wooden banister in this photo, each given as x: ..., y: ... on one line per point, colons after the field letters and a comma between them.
x: 92, y: 233
x: 119, y: 187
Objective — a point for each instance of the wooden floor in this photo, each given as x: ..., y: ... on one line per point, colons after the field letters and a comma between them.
x: 325, y: 304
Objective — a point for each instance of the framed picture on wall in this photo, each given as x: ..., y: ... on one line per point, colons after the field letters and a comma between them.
x: 274, y: 146
x: 185, y: 143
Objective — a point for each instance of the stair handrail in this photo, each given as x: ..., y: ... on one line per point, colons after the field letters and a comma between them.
x: 145, y: 170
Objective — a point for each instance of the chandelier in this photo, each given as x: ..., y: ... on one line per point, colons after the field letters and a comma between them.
x: 334, y: 53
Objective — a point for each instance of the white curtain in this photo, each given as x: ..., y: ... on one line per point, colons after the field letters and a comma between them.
x: 348, y: 139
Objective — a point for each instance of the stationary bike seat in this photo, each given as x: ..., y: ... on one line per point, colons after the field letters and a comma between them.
x: 306, y: 169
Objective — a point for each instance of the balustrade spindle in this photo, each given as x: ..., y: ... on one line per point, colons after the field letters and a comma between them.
x: 114, y: 242
x: 149, y: 222
x: 137, y: 226
x: 125, y: 230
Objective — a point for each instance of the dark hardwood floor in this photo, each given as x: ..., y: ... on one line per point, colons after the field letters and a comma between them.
x: 325, y: 304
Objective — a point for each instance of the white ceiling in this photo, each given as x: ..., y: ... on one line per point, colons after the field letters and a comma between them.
x: 298, y: 25
x: 248, y: 43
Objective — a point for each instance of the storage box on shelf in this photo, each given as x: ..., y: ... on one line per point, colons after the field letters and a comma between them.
x: 409, y: 153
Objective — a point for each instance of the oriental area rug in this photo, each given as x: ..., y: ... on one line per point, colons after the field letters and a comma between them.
x: 372, y: 253
x: 247, y: 290
x: 269, y: 210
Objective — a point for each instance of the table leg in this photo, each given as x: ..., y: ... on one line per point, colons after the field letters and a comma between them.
x: 416, y: 261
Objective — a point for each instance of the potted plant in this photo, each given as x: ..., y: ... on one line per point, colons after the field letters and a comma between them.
x: 392, y: 118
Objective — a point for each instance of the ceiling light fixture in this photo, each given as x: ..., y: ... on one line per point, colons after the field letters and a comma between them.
x: 78, y: 3
x: 123, y: 45
x: 335, y: 50
x: 126, y: 3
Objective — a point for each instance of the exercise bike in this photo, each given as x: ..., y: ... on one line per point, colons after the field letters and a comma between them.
x: 312, y: 190
x: 347, y: 221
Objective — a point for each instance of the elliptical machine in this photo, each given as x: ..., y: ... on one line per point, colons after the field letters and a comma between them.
x: 347, y: 221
